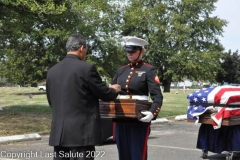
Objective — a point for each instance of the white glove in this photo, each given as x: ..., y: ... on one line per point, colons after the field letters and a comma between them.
x: 148, y: 116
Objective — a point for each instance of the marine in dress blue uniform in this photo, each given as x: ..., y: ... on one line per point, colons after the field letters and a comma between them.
x: 138, y: 80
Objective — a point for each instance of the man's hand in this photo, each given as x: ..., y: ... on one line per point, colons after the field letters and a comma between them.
x: 148, y: 116
x: 116, y: 87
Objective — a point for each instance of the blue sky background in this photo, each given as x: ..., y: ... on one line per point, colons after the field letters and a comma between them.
x: 229, y: 10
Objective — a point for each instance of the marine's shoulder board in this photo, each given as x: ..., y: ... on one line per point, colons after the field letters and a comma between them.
x: 147, y: 64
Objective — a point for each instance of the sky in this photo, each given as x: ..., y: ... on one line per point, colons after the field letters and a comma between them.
x: 229, y: 10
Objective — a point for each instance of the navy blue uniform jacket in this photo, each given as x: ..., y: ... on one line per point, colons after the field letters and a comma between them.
x: 140, y: 79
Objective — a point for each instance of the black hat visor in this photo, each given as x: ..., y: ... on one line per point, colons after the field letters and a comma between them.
x: 130, y: 48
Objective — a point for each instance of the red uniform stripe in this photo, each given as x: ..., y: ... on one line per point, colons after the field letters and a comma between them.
x: 144, y: 154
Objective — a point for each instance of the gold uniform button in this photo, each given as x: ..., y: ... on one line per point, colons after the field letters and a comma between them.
x: 127, y: 80
x: 128, y: 76
x: 126, y: 86
x: 132, y: 68
x: 130, y: 72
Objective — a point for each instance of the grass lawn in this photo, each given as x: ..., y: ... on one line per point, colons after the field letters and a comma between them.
x: 22, y: 114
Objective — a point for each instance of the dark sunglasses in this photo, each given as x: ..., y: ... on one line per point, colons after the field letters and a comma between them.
x: 132, y: 49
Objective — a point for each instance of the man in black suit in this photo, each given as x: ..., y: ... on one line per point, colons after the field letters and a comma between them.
x: 74, y: 88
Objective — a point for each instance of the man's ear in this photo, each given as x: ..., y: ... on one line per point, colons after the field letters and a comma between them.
x: 81, y: 48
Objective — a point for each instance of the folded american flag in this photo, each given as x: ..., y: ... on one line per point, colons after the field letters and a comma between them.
x: 225, y: 99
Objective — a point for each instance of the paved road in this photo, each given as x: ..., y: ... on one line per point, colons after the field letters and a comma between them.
x: 167, y: 141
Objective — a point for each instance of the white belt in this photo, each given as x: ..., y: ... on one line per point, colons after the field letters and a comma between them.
x: 133, y: 97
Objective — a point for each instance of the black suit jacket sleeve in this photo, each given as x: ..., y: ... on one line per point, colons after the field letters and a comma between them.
x: 98, y: 87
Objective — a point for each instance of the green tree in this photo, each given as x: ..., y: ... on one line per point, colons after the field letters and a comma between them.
x: 38, y: 6
x: 33, y: 36
x: 31, y: 40
x: 231, y: 68
x: 183, y: 37
x: 106, y: 49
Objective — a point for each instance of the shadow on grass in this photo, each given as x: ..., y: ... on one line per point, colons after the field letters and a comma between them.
x: 18, y: 109
x: 33, y: 93
x: 19, y: 119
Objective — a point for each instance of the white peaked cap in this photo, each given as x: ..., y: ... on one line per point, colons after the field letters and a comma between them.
x: 134, y: 41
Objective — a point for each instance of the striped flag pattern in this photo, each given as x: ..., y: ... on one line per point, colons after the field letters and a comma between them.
x: 224, y: 99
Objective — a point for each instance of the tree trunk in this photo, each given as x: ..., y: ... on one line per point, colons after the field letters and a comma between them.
x: 166, y: 86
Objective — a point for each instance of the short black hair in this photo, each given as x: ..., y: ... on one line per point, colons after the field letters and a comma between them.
x: 75, y: 41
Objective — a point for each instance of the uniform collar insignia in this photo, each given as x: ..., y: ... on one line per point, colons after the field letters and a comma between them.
x: 136, y: 63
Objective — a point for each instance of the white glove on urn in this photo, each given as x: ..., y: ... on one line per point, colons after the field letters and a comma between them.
x: 148, y: 116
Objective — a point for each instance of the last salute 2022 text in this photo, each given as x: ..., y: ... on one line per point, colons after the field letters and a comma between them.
x: 88, y: 154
